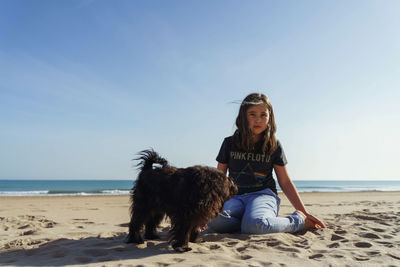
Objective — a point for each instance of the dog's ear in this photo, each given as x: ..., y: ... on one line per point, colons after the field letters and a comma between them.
x: 230, y: 188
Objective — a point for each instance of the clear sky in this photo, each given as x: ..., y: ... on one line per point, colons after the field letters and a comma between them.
x: 85, y: 85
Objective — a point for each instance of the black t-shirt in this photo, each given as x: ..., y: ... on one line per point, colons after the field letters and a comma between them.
x: 251, y: 171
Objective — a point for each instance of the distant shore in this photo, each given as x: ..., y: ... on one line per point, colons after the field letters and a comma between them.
x: 363, y: 229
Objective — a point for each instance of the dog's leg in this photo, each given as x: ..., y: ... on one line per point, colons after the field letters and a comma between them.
x: 194, y: 235
x: 151, y: 225
x: 138, y: 218
x: 181, y: 230
x: 200, y: 222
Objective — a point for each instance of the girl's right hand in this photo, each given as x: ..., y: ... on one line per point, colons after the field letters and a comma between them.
x: 317, y: 222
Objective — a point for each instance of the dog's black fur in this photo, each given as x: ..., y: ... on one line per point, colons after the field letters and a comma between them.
x: 190, y: 197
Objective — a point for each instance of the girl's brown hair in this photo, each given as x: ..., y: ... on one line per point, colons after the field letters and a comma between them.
x: 243, y: 135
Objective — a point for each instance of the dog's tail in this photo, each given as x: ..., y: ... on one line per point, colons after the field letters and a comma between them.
x: 148, y: 158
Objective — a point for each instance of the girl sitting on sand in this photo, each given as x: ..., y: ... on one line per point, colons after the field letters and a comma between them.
x: 250, y: 155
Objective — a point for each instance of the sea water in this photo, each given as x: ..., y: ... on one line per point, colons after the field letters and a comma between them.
x: 123, y: 187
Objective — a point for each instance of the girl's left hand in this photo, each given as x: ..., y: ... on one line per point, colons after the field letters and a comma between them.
x: 317, y: 222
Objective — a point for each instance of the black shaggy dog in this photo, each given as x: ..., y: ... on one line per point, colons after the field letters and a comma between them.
x: 190, y: 197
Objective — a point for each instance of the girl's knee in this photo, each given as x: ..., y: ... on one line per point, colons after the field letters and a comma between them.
x: 224, y: 224
x: 256, y: 226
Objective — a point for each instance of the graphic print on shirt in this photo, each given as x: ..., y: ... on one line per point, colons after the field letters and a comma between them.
x: 235, y: 155
x: 247, y: 178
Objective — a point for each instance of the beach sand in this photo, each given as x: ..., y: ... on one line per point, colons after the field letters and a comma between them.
x: 362, y: 230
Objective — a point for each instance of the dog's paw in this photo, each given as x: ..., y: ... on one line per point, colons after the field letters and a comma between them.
x: 182, y: 249
x: 194, y: 236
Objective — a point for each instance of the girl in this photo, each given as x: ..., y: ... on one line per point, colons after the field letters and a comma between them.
x: 250, y: 155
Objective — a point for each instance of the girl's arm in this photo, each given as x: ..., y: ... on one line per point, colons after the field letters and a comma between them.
x: 291, y: 193
x: 222, y: 167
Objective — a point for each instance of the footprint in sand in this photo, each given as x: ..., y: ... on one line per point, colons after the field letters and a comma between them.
x: 162, y: 264
x: 48, y: 224
x: 336, y: 237
x: 288, y: 249
x: 24, y: 226
x: 241, y: 249
x: 367, y: 218
x: 386, y: 244
x: 334, y: 245
x: 316, y: 256
x: 361, y: 258
x: 273, y: 244
x: 393, y: 256
x: 84, y: 221
x: 379, y: 230
x: 243, y: 257
x: 370, y: 236
x: 302, y: 244
x: 337, y: 256
x: 232, y: 243
x: 30, y: 232
x: 373, y: 253
x: 363, y: 244
x: 215, y: 246
x: 178, y: 260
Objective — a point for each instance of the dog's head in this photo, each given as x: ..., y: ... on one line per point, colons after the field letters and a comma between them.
x: 230, y: 188
x: 227, y: 188
x: 223, y: 189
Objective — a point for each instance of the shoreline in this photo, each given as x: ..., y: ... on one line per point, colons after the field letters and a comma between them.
x: 362, y: 229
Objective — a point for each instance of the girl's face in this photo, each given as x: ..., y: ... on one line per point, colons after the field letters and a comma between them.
x: 258, y: 117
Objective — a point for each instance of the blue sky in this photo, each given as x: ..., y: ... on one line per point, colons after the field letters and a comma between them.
x: 85, y: 85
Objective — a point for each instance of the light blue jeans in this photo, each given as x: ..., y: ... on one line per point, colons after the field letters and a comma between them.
x: 255, y: 213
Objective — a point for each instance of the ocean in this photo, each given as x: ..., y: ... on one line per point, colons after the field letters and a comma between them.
x: 123, y: 187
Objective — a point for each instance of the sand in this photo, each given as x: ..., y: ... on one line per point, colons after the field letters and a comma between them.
x: 362, y: 230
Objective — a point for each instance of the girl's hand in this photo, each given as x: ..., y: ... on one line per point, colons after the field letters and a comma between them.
x: 317, y: 223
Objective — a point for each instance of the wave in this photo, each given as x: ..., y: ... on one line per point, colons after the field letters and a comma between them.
x: 65, y: 193
x: 24, y: 193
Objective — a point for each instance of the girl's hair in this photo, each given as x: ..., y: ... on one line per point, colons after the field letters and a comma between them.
x: 243, y: 135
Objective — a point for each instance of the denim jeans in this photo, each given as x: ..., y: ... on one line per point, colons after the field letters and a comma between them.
x: 255, y: 213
